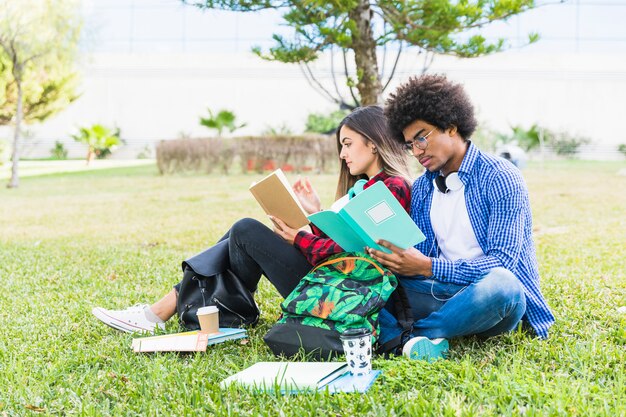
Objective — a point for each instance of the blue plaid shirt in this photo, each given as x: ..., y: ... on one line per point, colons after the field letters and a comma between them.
x: 499, y: 211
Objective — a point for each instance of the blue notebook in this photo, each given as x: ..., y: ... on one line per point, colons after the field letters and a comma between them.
x: 353, y: 383
x: 372, y: 214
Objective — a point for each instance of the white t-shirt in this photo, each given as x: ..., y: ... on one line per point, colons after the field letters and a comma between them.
x: 452, y: 227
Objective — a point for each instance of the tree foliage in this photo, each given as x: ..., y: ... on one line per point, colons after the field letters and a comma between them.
x: 45, y: 92
x: 362, y: 27
x: 324, y: 123
x: 38, y: 49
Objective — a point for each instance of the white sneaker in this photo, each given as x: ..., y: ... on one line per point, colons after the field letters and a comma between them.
x: 425, y: 349
x: 131, y: 320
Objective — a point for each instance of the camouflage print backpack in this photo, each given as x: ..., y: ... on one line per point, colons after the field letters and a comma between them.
x: 346, y: 291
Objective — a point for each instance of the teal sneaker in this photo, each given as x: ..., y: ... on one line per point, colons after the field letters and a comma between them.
x: 425, y: 349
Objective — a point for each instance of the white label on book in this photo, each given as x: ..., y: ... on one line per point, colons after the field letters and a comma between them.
x: 380, y: 212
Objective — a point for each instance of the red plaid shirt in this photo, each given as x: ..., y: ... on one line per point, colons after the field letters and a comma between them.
x: 317, y: 246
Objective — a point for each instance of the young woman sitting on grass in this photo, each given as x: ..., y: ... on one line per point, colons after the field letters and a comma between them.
x: 284, y: 255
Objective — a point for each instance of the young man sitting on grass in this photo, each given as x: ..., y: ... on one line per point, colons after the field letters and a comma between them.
x: 476, y: 273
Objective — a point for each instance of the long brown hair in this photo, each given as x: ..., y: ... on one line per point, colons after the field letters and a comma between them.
x: 370, y: 122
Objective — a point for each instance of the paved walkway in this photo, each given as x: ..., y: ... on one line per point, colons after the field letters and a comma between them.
x: 33, y: 168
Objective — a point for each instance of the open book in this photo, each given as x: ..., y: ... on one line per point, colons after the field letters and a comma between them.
x: 292, y: 377
x: 186, y: 342
x: 372, y: 214
x: 276, y: 197
x: 354, y: 223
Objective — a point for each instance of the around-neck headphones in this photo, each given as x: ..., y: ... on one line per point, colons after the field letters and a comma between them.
x: 356, y: 188
x: 450, y: 182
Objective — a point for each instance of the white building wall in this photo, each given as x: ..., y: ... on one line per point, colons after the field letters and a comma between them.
x: 157, y: 65
x: 161, y: 96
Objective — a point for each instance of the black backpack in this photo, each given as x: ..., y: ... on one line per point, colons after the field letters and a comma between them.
x: 404, y: 315
x: 208, y: 282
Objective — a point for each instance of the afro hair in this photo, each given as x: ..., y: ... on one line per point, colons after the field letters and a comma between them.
x: 433, y: 99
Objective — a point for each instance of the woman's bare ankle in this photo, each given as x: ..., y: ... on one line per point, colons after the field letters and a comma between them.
x: 165, y: 308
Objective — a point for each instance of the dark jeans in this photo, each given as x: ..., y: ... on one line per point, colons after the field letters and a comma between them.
x: 255, y: 250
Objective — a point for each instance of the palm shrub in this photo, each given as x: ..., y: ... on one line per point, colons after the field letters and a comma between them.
x: 223, y: 120
x: 527, y: 139
x: 562, y: 143
x: 59, y: 151
x: 100, y: 140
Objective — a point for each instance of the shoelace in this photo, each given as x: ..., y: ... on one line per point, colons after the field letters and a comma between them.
x: 136, y: 308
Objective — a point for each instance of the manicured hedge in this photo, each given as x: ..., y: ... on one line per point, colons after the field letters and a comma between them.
x: 253, y: 153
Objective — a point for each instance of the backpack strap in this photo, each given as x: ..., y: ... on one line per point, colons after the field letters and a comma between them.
x: 344, y: 258
x: 404, y: 315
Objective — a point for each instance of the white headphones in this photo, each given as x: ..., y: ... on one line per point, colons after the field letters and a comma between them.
x: 450, y: 182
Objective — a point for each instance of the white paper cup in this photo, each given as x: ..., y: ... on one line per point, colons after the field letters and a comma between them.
x: 357, y: 346
x: 209, y: 319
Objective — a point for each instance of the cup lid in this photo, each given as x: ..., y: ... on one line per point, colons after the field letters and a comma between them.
x: 207, y: 310
x: 355, y: 332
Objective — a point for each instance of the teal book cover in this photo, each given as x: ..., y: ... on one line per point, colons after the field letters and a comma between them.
x: 352, y: 383
x: 371, y: 215
x: 227, y: 333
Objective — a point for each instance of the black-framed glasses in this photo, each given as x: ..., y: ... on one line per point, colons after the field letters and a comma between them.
x: 420, y: 141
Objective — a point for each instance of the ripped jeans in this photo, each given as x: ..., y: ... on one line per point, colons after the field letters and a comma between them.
x: 490, y: 306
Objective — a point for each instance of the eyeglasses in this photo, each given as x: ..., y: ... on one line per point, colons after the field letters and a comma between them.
x: 420, y: 141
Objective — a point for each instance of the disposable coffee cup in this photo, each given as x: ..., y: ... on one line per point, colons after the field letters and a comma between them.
x: 357, y: 346
x: 209, y: 319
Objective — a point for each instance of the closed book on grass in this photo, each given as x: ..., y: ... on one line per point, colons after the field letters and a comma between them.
x: 276, y: 197
x: 294, y: 377
x: 372, y: 214
x: 195, y: 341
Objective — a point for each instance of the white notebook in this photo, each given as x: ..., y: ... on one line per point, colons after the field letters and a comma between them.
x: 288, y: 376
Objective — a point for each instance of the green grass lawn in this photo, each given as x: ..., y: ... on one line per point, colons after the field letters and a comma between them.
x: 116, y: 237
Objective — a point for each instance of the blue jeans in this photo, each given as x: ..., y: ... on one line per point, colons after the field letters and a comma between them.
x: 490, y: 306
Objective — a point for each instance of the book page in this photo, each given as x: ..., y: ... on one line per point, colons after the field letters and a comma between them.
x: 281, y: 176
x: 194, y: 341
x: 339, y: 204
x: 178, y: 342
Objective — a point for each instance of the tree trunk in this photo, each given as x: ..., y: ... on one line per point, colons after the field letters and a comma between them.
x: 90, y: 155
x: 364, y: 47
x: 15, y: 155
